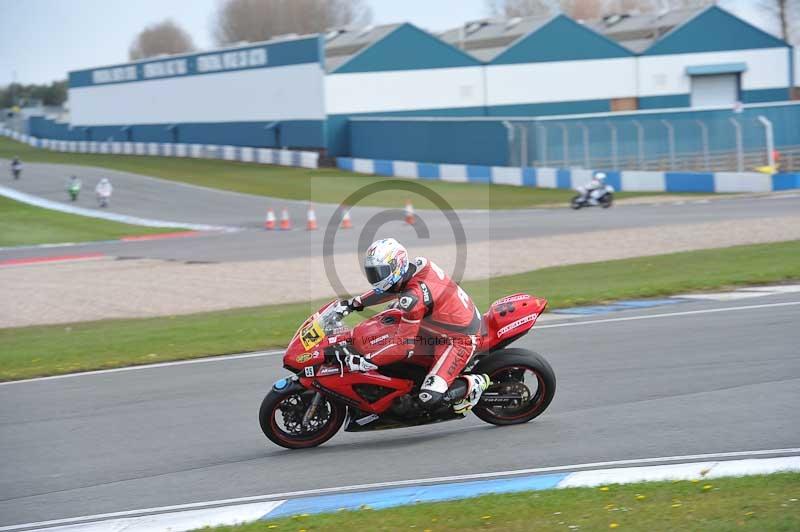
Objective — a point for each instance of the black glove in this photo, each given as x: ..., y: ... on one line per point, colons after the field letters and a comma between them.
x: 352, y: 304
x: 355, y: 304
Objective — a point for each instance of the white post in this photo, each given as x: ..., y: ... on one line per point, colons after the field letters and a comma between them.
x: 704, y: 134
x: 510, y: 140
x: 543, y: 143
x: 671, y: 141
x: 639, y: 143
x: 523, y: 145
x: 613, y: 130
x: 586, y: 160
x: 737, y: 130
x: 770, y: 140
x: 565, y: 144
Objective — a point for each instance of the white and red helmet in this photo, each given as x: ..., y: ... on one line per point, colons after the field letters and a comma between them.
x: 385, y: 263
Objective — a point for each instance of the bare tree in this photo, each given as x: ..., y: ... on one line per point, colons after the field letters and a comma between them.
x: 164, y: 37
x: 259, y: 20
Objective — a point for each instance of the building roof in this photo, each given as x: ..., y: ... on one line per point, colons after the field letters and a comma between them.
x: 485, y: 39
x: 639, y: 32
x: 343, y: 43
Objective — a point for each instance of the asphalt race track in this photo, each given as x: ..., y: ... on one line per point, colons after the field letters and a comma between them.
x: 148, y: 197
x: 674, y: 384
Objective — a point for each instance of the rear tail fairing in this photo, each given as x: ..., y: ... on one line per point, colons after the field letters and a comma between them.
x: 508, y: 319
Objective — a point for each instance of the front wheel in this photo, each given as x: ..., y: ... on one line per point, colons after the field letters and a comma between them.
x: 523, y: 385
x: 285, y: 418
x: 576, y: 203
x: 606, y: 201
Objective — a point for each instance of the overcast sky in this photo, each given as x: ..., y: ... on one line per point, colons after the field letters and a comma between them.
x: 41, y: 40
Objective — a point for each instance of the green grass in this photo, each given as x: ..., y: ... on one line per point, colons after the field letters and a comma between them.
x: 759, y: 503
x: 323, y: 186
x: 23, y: 224
x: 54, y: 349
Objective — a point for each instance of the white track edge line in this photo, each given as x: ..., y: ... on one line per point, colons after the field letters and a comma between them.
x: 388, y: 484
x: 225, y: 358
x: 670, y: 314
x: 203, y: 360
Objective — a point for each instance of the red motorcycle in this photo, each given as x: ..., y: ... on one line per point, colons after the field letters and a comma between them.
x: 308, y: 408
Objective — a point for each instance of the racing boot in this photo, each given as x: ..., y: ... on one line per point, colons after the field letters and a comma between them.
x: 476, y: 385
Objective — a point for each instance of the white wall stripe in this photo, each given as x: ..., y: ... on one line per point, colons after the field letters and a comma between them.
x: 364, y: 166
x: 456, y: 173
x: 406, y: 169
x: 504, y: 175
x: 546, y: 178
x: 308, y: 159
x: 643, y: 181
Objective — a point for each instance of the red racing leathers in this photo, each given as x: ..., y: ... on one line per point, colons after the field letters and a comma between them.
x: 434, y: 308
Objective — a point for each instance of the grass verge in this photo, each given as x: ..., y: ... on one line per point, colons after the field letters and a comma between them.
x: 56, y: 349
x: 765, y: 502
x: 23, y: 224
x: 327, y: 185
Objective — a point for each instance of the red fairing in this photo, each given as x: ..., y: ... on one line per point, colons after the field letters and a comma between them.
x: 298, y: 357
x: 506, y: 320
x: 371, y: 335
x: 510, y: 317
x: 343, y: 388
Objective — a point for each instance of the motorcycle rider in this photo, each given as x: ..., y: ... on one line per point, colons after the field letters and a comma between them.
x: 434, y: 307
x: 592, y: 190
x: 16, y: 167
x: 103, y: 191
x: 74, y: 187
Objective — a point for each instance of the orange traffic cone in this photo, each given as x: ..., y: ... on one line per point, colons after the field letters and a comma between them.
x: 311, y: 219
x: 410, y: 218
x: 269, y: 224
x: 346, y: 222
x: 286, y: 224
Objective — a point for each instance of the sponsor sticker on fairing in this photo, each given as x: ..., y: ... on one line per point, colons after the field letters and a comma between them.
x: 514, y: 325
x: 379, y: 339
x: 511, y: 299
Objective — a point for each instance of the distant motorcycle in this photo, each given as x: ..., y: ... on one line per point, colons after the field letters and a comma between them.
x: 603, y: 197
x: 74, y: 189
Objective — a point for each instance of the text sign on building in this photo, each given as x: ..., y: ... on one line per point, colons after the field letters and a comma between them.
x: 273, y: 54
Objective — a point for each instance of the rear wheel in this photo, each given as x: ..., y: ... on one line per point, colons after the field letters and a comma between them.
x: 283, y: 413
x: 521, y: 375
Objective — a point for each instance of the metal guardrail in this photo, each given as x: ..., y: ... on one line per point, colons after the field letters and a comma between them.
x: 651, y: 144
x: 788, y: 160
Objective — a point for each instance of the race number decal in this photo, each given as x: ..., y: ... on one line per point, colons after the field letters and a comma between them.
x: 311, y: 335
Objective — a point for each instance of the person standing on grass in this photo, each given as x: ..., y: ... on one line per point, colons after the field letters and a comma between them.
x: 16, y: 167
x: 103, y: 191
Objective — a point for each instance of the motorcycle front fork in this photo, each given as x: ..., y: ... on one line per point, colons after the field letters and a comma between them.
x: 312, y: 410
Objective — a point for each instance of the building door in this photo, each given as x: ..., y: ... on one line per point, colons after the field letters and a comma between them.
x: 715, y: 90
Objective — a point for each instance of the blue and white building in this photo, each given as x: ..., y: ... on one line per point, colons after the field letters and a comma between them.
x: 264, y: 94
x: 365, y: 92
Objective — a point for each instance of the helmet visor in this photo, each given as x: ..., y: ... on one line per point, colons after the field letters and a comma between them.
x: 376, y: 274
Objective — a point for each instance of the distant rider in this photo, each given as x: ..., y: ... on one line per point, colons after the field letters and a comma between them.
x: 433, y: 307
x: 103, y: 191
x: 593, y: 190
x: 16, y: 167
x: 74, y: 187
